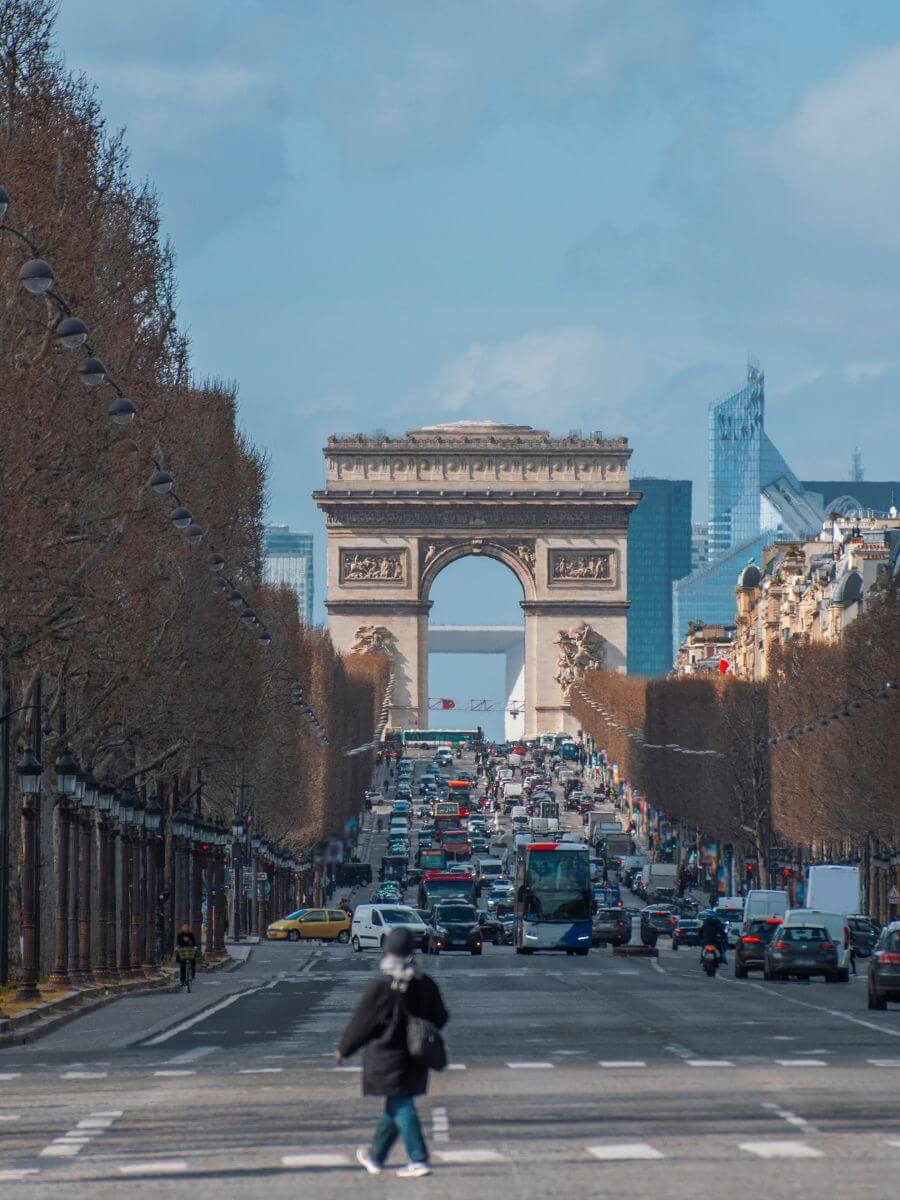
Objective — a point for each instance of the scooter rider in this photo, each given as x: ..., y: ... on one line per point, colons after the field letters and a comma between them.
x: 713, y: 932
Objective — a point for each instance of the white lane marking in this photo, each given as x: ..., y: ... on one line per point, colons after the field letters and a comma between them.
x: 784, y: 1037
x: 883, y: 1062
x: 791, y: 1117
x: 84, y: 1075
x: 893, y: 1142
x: 351, y: 1069
x: 201, y: 1016
x: 456, y: 1067
x: 777, y: 1149
x: 530, y: 1066
x: 10, y: 1075
x: 160, y: 1167
x: 189, y: 1056
x: 473, y: 1155
x: 831, y: 1012
x: 440, y: 1125
x: 801, y: 1062
x: 175, y: 1074
x: 61, y: 1149
x: 10, y: 1116
x: 15, y: 1174
x: 623, y: 1151
x: 709, y: 1062
x: 95, y: 1122
x: 113, y: 1112
x: 299, y: 1162
x: 621, y: 1064
x: 260, y: 1071
x: 656, y: 967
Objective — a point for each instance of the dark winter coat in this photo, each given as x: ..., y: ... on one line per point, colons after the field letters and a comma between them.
x: 379, y: 1024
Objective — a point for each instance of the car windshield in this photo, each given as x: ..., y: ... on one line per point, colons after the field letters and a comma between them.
x: 860, y: 924
x: 803, y: 933
x: 891, y: 942
x: 762, y: 929
x: 294, y: 915
x: 610, y: 914
x: 688, y: 923
x: 456, y: 912
x: 401, y: 916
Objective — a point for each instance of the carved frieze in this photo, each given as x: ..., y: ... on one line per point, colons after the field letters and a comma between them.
x: 521, y: 550
x: 428, y: 516
x: 580, y: 648
x: 374, y: 566
x: 373, y: 639
x: 594, y: 567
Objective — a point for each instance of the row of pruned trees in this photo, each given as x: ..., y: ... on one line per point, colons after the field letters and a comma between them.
x: 832, y: 788
x: 106, y: 612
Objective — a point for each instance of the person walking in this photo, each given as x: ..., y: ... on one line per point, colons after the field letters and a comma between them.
x: 380, y: 1025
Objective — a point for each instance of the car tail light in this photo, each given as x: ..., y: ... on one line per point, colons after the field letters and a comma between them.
x: 827, y: 946
x: 751, y: 941
x: 781, y: 945
x: 893, y: 960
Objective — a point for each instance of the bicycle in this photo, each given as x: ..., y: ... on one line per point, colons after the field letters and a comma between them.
x: 187, y: 955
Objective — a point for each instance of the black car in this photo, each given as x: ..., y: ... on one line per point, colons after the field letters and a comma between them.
x: 863, y: 935
x: 750, y: 948
x: 804, y: 951
x: 455, y: 927
x: 687, y: 932
x: 610, y: 926
x: 884, y: 969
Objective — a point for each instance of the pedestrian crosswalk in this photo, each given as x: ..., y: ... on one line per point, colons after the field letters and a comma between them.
x: 607, y: 1153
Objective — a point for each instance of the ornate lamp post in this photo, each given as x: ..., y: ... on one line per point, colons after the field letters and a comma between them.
x: 136, y: 940
x: 30, y: 773
x: 66, y: 783
x: 153, y: 815
x: 126, y: 813
x: 238, y: 831
x: 106, y: 881
x: 90, y: 791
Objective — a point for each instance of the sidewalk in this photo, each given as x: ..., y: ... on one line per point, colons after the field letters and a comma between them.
x: 21, y: 1023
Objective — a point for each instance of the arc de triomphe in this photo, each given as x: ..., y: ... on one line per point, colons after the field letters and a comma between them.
x: 554, y: 510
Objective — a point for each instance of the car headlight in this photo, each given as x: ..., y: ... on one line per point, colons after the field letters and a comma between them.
x: 583, y: 937
x: 532, y: 936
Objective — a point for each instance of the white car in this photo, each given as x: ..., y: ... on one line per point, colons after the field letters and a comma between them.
x: 373, y: 922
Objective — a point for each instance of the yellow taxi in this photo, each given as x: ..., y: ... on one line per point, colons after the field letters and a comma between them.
x: 324, y: 924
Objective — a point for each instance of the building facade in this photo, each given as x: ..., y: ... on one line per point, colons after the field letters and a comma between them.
x: 659, y: 552
x: 699, y: 545
x: 288, y: 562
x: 813, y: 589
x: 705, y: 649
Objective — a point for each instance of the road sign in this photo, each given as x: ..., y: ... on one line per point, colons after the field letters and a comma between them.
x: 893, y: 896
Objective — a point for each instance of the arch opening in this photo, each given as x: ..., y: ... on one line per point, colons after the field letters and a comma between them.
x: 476, y: 646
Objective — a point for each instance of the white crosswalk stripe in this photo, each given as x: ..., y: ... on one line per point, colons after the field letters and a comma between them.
x: 624, y: 1152
x: 780, y: 1149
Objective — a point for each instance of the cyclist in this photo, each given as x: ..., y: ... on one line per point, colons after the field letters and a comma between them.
x: 185, y: 951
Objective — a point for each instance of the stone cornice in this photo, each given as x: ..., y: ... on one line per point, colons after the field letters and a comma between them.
x: 386, y: 607
x: 576, y: 607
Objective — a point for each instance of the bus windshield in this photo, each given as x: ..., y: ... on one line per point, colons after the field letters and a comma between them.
x: 557, y: 886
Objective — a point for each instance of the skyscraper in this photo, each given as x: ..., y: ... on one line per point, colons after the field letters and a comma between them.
x: 754, y: 497
x: 659, y: 552
x: 288, y: 560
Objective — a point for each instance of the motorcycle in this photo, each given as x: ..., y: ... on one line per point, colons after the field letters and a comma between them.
x: 710, y: 959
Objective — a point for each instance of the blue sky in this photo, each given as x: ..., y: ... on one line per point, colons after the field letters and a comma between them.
x: 573, y: 213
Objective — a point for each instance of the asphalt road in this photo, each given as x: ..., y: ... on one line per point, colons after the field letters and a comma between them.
x: 579, y: 1077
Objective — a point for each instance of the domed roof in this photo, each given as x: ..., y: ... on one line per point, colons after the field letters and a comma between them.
x: 848, y: 589
x: 750, y: 576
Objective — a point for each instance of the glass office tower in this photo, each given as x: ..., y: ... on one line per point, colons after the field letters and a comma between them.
x: 754, y: 498
x: 659, y: 552
x: 288, y: 560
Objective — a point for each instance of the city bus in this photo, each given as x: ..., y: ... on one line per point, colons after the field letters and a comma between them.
x: 442, y: 737
x: 553, y: 898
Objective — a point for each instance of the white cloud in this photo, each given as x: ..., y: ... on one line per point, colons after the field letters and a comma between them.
x: 545, y: 376
x: 856, y: 372
x: 840, y: 150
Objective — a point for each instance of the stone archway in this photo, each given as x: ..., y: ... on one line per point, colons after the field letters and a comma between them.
x: 553, y: 510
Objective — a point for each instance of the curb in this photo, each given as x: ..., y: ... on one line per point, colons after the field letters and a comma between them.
x: 35, y: 1026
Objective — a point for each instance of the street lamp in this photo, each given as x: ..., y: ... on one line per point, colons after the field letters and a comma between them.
x: 181, y: 517
x: 92, y: 372
x: 121, y: 411
x: 66, y: 767
x: 29, y: 770
x: 70, y: 333
x: 36, y: 276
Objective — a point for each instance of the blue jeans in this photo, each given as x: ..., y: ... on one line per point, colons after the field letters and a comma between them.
x: 399, y: 1117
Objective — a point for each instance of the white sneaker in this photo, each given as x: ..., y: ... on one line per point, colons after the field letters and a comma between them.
x: 414, y: 1171
x: 365, y: 1159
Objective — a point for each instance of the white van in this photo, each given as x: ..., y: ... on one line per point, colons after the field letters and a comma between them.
x: 838, y: 930
x: 373, y: 922
x: 760, y: 903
